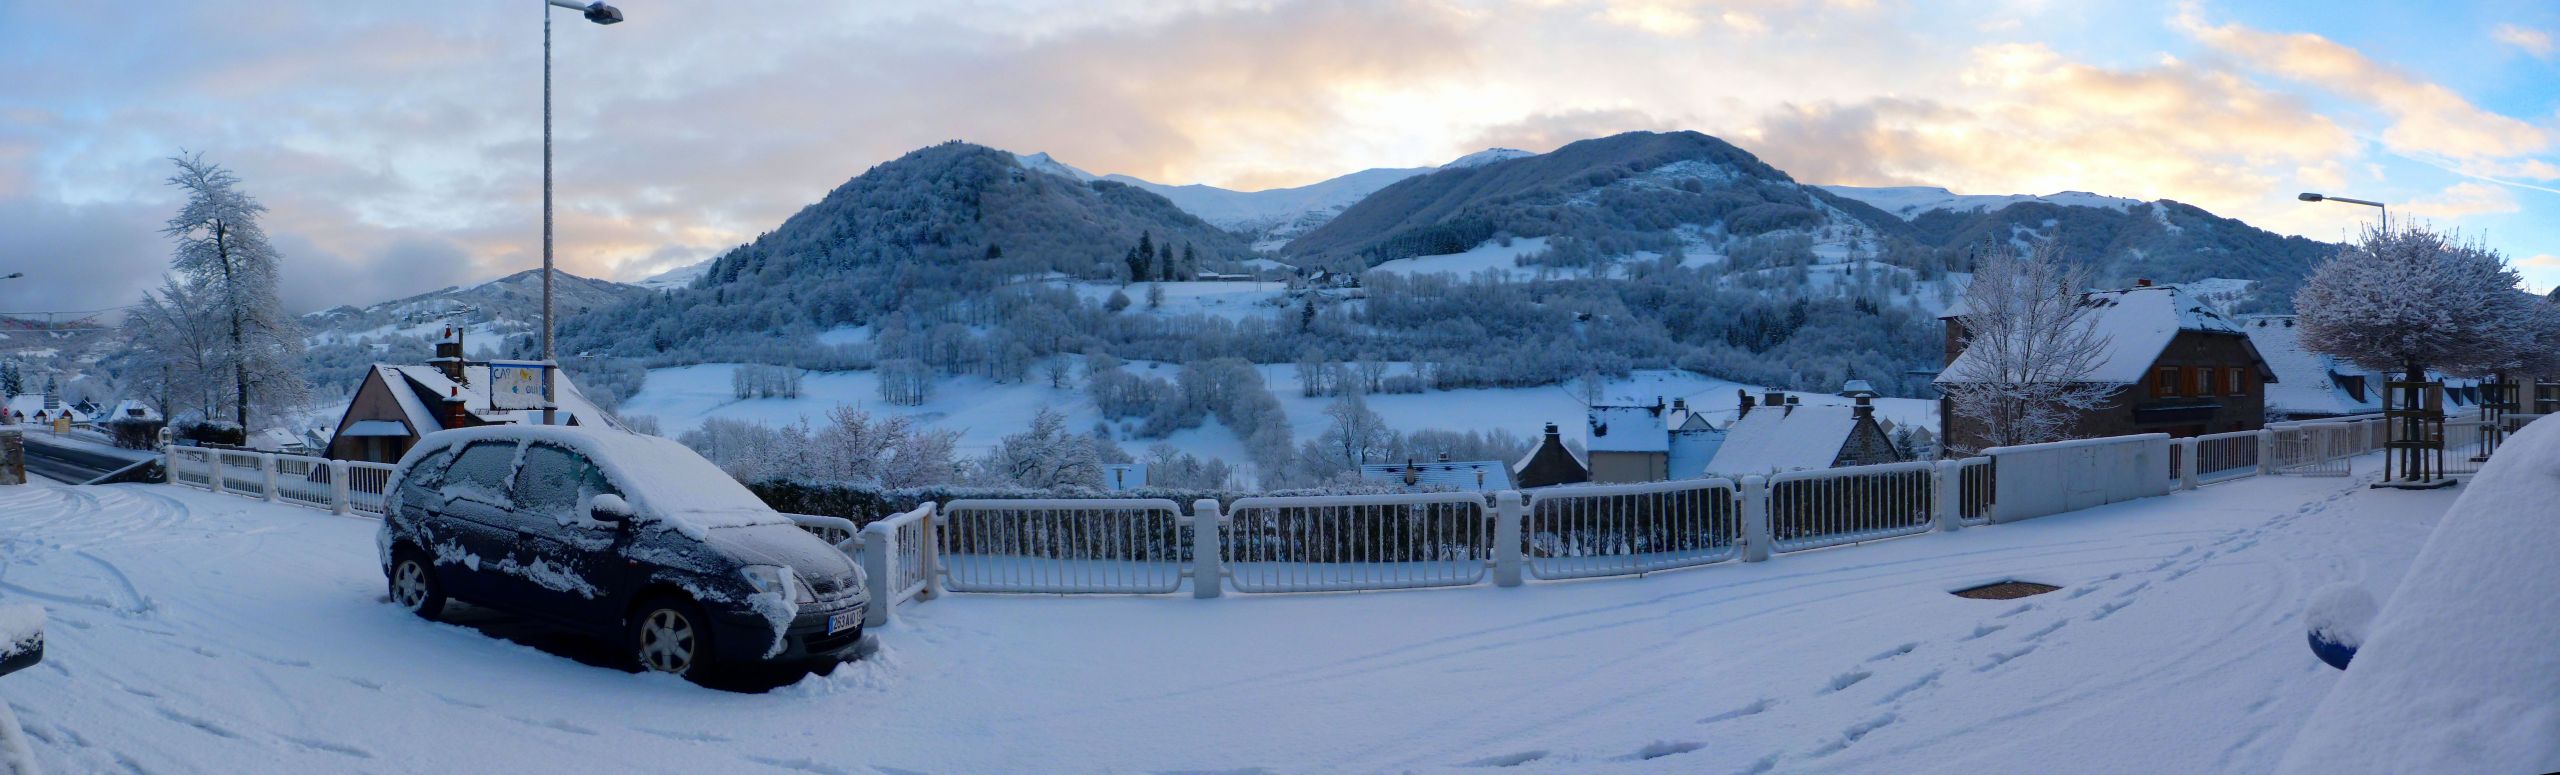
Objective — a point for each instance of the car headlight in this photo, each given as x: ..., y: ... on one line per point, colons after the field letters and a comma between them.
x: 778, y: 580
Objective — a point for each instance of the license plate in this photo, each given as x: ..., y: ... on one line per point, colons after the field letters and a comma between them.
x: 843, y: 621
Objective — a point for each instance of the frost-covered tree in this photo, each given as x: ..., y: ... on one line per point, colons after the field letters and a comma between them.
x: 2411, y: 299
x: 2030, y: 346
x: 11, y: 383
x: 1155, y: 295
x: 222, y: 251
x: 1047, y: 456
x: 1355, y: 437
x: 172, y: 338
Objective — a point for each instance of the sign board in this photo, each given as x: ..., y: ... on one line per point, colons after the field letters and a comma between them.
x: 1123, y: 477
x: 515, y: 384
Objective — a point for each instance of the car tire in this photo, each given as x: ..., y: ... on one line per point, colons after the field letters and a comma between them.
x: 414, y: 585
x: 668, y: 634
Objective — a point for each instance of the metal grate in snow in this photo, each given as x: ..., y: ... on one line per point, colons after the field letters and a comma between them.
x: 2005, y: 590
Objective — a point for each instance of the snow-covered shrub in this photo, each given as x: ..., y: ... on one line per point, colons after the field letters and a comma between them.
x: 2412, y: 299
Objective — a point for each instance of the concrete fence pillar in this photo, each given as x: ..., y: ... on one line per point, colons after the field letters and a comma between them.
x: 931, y: 552
x: 1508, y: 513
x: 2188, y: 463
x: 1946, y: 483
x: 213, y: 466
x: 1208, y: 568
x: 267, y: 475
x: 2266, y: 452
x: 880, y: 573
x: 339, y: 502
x: 1755, y: 518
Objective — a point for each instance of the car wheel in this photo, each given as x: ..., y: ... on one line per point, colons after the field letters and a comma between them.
x: 670, y: 635
x: 414, y: 585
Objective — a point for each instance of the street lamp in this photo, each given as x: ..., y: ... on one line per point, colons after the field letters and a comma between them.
x: 12, y: 275
x: 599, y: 13
x: 2386, y: 210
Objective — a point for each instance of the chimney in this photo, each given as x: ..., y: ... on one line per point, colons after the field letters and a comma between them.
x: 1412, y: 475
x: 1792, y: 403
x: 1864, y: 409
x: 449, y: 354
x: 1553, y: 437
x: 457, y: 413
x: 1742, y: 403
x: 1774, y: 398
x: 2142, y: 283
x: 1444, y: 457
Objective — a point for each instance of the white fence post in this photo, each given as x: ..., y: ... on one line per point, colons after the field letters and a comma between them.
x: 2188, y: 463
x: 931, y: 552
x: 213, y: 473
x: 1947, y: 479
x: 1755, y: 518
x: 2266, y: 452
x: 1507, y: 516
x: 880, y: 570
x: 1208, y: 574
x: 267, y: 474
x: 339, y: 501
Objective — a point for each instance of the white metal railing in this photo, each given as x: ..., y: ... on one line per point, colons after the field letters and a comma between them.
x: 2467, y: 444
x: 1097, y: 545
x: 899, y: 554
x: 305, y: 481
x: 2314, y: 449
x: 1616, y: 530
x: 2221, y: 457
x: 1974, y: 487
x: 1830, y: 507
x: 368, y: 486
x: 191, y: 466
x: 1355, y: 542
x: 241, y: 472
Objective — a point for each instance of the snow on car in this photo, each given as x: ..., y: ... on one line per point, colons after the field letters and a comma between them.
x: 2460, y: 670
x: 619, y: 534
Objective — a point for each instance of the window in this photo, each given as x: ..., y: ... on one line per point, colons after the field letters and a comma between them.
x: 554, y: 481
x: 480, y: 472
x: 2204, y: 381
x: 2164, y: 382
x: 2239, y: 380
x: 419, y: 482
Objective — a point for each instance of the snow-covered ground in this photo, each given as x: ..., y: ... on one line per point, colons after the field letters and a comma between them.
x: 194, y: 632
x: 984, y: 411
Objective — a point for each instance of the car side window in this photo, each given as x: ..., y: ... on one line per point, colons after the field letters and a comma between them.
x: 555, y: 482
x: 418, y: 484
x: 480, y: 472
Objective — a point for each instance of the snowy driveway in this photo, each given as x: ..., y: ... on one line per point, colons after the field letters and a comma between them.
x: 194, y: 632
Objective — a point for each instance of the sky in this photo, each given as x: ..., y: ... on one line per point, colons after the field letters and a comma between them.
x: 398, y: 145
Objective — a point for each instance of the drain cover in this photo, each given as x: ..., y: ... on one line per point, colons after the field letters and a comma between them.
x: 2006, y: 590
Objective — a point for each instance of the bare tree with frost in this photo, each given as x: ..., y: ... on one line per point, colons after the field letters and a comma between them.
x: 2030, y: 348
x: 224, y: 255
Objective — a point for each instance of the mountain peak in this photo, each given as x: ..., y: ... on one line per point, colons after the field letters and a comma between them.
x: 1484, y: 157
x: 1043, y: 162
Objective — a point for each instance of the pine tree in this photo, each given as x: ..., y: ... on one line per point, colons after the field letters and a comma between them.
x: 10, y: 382
x: 1190, y: 260
x: 1164, y: 262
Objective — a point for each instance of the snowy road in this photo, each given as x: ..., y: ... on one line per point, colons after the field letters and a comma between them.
x: 194, y: 632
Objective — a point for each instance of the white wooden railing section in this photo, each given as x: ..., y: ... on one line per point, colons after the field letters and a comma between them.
x: 1407, y: 541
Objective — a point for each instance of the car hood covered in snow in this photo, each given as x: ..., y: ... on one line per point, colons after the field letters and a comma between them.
x: 784, y: 545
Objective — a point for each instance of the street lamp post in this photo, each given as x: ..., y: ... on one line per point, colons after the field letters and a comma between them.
x: 599, y: 13
x: 2386, y: 209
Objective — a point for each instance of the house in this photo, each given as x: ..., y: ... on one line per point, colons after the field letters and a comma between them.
x: 1694, y: 442
x: 1439, y: 475
x: 2312, y: 386
x: 2174, y: 365
x: 130, y: 409
x: 41, y: 409
x: 397, y: 404
x: 1628, y: 443
x: 1781, y: 433
x: 1550, y: 463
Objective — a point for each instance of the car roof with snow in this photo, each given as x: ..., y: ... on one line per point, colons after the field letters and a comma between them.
x: 659, y: 476
x: 2459, y: 670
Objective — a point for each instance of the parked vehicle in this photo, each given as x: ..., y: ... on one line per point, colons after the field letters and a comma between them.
x: 620, y: 534
x: 21, y: 638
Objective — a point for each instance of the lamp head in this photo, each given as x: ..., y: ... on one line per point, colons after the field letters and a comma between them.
x: 603, y: 14
x: 2311, y: 197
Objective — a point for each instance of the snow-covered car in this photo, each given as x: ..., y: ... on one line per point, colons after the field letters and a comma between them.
x: 619, y: 534
x: 2459, y: 670
x: 21, y: 637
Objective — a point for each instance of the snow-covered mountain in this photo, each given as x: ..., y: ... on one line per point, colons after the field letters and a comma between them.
x: 1272, y: 217
x: 1908, y: 202
x: 678, y: 277
x: 490, y: 309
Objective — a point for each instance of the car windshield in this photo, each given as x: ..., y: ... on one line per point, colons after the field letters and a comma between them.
x: 676, y: 484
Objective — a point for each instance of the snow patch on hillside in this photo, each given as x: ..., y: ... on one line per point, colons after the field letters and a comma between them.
x: 1908, y: 202
x: 1492, y: 255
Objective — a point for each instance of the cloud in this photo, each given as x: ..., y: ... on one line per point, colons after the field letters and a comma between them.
x: 2530, y: 41
x: 2545, y: 260
x: 2463, y: 200
x: 1543, y: 132
x: 2427, y: 118
x: 2035, y: 122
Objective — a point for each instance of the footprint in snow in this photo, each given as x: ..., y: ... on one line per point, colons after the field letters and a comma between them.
x: 2025, y: 607
x: 1756, y: 707
x: 2109, y: 609
x: 1906, y: 689
x: 2003, y: 657
x: 1661, y: 748
x: 1507, y: 760
x: 341, y: 749
x: 1894, y: 652
x: 1845, y: 680
x: 800, y: 765
x: 2047, y: 630
x: 1980, y: 631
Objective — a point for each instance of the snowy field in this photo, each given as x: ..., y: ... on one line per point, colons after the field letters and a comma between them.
x: 194, y: 632
x: 984, y: 411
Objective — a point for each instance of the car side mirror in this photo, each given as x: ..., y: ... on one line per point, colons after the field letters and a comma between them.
x: 610, y: 509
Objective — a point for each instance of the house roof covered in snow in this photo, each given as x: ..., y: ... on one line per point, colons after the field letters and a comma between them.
x: 416, y: 386
x: 1773, y: 439
x: 1627, y: 429
x: 1472, y: 475
x: 134, y: 409
x: 2309, y: 383
x: 2136, y: 324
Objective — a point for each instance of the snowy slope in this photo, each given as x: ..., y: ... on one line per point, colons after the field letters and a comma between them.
x: 194, y: 632
x: 1908, y: 202
x: 678, y: 277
